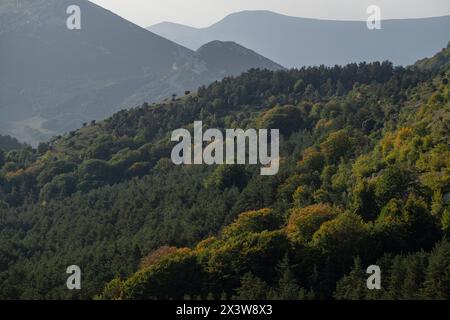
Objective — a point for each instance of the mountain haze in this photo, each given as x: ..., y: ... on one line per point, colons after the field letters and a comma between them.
x: 8, y: 143
x: 297, y: 42
x: 54, y: 79
x: 230, y: 57
x: 211, y: 62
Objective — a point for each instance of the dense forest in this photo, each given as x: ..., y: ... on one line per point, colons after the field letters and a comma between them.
x: 364, y: 179
x: 8, y: 143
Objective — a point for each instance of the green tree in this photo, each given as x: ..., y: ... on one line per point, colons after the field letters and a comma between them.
x: 304, y: 222
x: 252, y: 288
x: 352, y: 286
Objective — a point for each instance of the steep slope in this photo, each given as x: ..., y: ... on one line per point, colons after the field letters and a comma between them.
x: 438, y: 62
x: 211, y: 62
x: 297, y: 42
x: 72, y: 76
x: 230, y: 58
x: 358, y: 195
x: 54, y: 79
x: 176, y: 31
x: 364, y: 153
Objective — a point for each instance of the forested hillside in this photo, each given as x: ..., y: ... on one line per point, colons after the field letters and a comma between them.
x: 9, y: 143
x: 364, y: 178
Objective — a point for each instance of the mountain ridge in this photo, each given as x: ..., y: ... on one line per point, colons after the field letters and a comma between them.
x: 53, y: 79
x: 328, y: 42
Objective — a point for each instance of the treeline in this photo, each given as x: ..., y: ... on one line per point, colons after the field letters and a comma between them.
x: 344, y: 200
x: 130, y: 143
x: 8, y: 143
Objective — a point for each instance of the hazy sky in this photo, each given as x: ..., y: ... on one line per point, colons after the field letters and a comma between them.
x: 202, y: 13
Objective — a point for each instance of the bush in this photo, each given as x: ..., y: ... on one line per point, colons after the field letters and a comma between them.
x: 304, y: 222
x: 337, y: 145
x: 157, y: 255
x: 253, y: 221
x: 288, y: 119
x: 227, y: 176
x: 342, y: 239
x: 393, y: 183
x: 170, y: 278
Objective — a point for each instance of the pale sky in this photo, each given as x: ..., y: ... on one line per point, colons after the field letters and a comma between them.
x: 203, y: 13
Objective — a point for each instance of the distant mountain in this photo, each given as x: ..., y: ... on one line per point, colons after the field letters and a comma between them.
x: 179, y: 32
x: 213, y: 61
x: 53, y: 79
x: 297, y: 42
x: 230, y: 57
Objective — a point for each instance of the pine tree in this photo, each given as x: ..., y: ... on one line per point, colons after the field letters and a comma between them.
x: 353, y: 286
x: 437, y: 279
x: 252, y: 288
x: 288, y: 288
x: 414, y: 277
x: 396, y: 278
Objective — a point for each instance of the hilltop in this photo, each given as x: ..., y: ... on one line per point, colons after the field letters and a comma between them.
x: 297, y: 42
